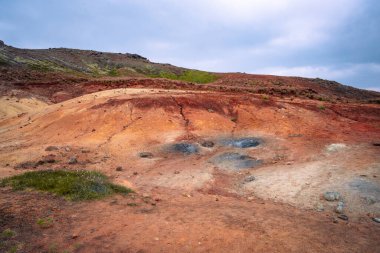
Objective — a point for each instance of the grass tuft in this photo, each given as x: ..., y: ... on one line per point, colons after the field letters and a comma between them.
x: 73, y: 185
x: 45, y: 222
x: 8, y: 233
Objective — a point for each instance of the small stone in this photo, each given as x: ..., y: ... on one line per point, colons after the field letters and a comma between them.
x: 343, y: 217
x: 67, y: 149
x: 210, y: 110
x: 250, y: 178
x: 207, y: 144
x: 73, y: 160
x: 331, y: 196
x: 320, y: 207
x: 135, y: 173
x: 339, y: 208
x: 335, y: 147
x: 250, y: 198
x: 376, y: 219
x: 176, y: 172
x: 51, y: 148
x: 74, y: 236
x: 370, y: 200
x: 145, y: 155
x: 335, y: 220
x: 119, y: 168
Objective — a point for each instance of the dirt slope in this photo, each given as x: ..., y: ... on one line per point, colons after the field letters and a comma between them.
x: 239, y: 164
x: 202, y: 200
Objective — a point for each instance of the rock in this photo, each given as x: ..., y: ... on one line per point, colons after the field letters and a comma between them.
x: 210, y: 110
x: 51, y: 148
x: 339, y: 208
x: 145, y: 155
x: 335, y: 220
x: 119, y: 168
x: 331, y: 196
x: 74, y: 236
x: 335, y: 147
x: 135, y: 173
x: 376, y: 219
x: 47, y: 159
x: 295, y: 135
x: 250, y: 178
x: 320, y: 207
x: 27, y: 165
x: 370, y: 200
x: 343, y: 217
x: 85, y: 151
x: 176, y: 172
x: 207, y: 144
x: 67, y: 149
x: 73, y: 160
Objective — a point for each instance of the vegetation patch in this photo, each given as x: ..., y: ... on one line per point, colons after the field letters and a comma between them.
x: 8, y: 233
x: 73, y: 185
x: 113, y: 72
x: 194, y: 76
x: 45, y: 222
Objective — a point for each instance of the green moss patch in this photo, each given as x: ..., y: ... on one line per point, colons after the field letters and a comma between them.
x: 73, y: 185
x: 194, y: 76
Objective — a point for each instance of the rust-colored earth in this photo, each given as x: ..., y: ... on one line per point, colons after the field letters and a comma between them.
x: 198, y: 188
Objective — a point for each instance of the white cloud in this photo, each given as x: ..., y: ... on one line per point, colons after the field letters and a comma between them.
x: 329, y: 72
x: 373, y: 89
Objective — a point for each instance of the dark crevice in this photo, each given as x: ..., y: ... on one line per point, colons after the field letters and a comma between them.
x: 132, y: 121
x: 186, y: 120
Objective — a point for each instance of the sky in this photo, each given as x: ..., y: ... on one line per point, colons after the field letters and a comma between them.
x: 331, y: 39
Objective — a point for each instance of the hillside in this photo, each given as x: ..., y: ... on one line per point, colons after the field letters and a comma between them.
x: 55, y: 71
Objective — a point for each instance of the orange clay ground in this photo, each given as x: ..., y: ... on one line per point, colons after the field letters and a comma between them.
x: 219, y: 198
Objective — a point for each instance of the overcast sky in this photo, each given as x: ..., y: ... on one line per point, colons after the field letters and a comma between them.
x: 331, y: 39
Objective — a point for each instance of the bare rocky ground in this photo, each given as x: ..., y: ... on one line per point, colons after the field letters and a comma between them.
x: 212, y: 172
x: 247, y: 163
